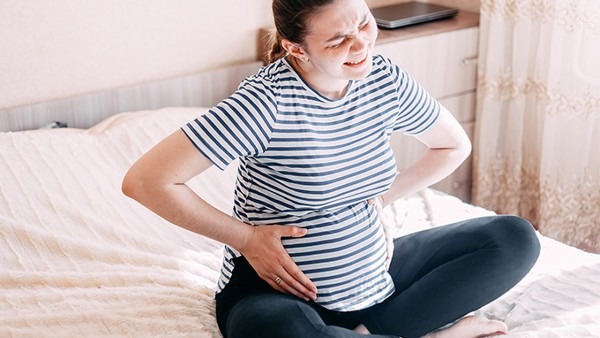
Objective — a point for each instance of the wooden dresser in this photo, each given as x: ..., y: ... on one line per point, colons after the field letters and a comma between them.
x: 442, y: 57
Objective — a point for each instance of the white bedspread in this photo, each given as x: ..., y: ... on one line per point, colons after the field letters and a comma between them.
x: 80, y: 259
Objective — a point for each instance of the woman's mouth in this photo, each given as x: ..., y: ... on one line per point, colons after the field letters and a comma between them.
x: 356, y: 62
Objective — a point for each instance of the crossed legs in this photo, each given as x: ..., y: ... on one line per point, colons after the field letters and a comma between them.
x: 440, y: 275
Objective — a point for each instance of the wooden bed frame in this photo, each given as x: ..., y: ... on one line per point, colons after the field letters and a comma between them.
x: 196, y: 90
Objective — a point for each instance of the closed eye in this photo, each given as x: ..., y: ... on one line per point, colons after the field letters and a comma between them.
x: 342, y: 39
x: 338, y: 44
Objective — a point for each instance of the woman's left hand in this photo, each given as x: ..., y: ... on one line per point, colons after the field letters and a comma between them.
x: 377, y: 202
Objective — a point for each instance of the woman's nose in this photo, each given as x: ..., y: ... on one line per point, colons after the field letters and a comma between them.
x: 358, y: 44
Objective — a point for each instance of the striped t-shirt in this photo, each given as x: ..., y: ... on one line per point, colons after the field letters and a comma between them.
x: 313, y: 162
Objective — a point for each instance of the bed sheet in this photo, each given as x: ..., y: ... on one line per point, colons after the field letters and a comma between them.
x: 80, y: 259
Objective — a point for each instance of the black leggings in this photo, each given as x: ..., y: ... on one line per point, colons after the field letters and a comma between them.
x: 440, y: 275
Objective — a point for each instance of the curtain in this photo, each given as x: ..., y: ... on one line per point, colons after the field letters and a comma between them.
x: 537, y: 136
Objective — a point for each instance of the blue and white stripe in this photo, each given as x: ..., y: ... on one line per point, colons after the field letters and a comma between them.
x: 312, y: 162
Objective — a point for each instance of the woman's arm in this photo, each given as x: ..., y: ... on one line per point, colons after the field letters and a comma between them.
x: 448, y: 146
x: 158, y: 181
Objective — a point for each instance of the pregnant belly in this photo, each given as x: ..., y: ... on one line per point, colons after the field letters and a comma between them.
x: 344, y: 255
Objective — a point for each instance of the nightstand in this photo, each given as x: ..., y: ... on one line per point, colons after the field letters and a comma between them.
x: 442, y: 57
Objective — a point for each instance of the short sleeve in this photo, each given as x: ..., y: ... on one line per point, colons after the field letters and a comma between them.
x: 241, y: 125
x: 417, y: 109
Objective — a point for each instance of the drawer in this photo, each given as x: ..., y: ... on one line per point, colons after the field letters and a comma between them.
x: 444, y: 63
x: 461, y: 106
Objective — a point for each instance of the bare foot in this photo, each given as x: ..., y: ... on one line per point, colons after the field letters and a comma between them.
x: 471, y: 327
x: 361, y: 329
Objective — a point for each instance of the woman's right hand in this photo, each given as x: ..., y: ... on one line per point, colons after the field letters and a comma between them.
x: 265, y: 252
x: 158, y: 181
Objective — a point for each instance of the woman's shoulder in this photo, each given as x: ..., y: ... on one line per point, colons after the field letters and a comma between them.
x: 383, y: 62
x: 267, y: 81
x: 271, y: 74
x: 385, y: 65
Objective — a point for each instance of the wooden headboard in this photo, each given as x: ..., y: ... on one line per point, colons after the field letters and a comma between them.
x: 197, y: 90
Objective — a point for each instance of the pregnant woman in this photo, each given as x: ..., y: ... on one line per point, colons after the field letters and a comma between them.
x: 305, y: 252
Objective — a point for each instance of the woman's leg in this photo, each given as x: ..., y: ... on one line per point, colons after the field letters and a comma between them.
x: 248, y: 307
x: 441, y: 274
x: 275, y: 315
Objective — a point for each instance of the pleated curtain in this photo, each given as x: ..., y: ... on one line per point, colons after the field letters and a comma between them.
x: 537, y: 137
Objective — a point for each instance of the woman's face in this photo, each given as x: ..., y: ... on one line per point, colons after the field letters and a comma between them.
x: 340, y: 40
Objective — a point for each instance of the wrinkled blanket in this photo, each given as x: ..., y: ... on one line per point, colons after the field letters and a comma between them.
x: 78, y: 258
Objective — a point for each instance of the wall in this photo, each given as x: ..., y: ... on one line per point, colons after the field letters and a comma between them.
x: 53, y: 49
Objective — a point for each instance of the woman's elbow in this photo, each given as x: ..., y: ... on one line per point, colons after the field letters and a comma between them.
x: 465, y: 147
x: 462, y: 148
x: 132, y: 185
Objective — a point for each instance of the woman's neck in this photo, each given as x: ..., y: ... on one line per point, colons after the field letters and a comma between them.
x: 324, y: 85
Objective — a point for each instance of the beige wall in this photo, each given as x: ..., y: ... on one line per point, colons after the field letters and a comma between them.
x: 54, y: 49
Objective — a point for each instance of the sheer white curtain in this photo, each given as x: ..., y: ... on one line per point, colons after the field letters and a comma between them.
x: 537, y: 138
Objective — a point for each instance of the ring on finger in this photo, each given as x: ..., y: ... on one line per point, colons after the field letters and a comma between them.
x: 278, y: 280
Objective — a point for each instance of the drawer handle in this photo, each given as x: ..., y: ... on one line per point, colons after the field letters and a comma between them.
x: 469, y: 61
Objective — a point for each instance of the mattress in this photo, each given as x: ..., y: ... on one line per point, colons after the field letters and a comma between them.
x: 78, y: 258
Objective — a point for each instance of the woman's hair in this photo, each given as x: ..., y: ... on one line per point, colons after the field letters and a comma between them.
x: 291, y: 21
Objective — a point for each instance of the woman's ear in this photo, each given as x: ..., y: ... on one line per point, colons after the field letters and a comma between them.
x: 294, y: 49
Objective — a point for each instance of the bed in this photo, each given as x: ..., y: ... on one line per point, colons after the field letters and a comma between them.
x: 78, y: 258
